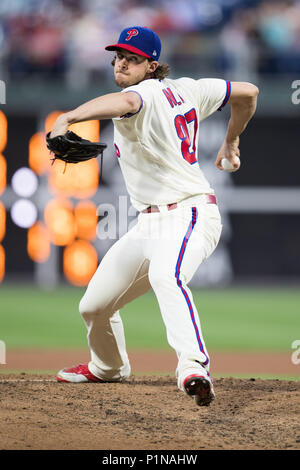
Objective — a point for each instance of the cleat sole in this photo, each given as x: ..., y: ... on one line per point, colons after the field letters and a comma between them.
x: 201, y: 389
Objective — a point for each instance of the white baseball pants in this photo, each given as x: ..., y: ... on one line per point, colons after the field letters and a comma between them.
x: 162, y: 251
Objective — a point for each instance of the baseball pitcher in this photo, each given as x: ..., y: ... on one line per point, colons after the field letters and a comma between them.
x: 156, y: 130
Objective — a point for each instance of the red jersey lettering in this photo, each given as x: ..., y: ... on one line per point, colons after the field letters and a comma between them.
x: 171, y: 98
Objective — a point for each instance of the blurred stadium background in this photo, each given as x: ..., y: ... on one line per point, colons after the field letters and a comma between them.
x: 54, y: 223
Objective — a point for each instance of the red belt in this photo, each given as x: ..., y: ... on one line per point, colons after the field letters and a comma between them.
x: 210, y: 199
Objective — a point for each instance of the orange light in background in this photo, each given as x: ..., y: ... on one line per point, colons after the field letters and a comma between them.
x: 86, y: 220
x: 38, y: 243
x: 3, y: 131
x: 60, y: 221
x: 77, y: 180
x: 39, y: 156
x: 80, y: 261
x: 3, y: 168
x: 2, y: 221
x: 74, y: 180
x: 2, y: 263
x: 87, y: 130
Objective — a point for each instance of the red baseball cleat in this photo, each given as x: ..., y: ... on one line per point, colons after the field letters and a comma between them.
x: 77, y: 374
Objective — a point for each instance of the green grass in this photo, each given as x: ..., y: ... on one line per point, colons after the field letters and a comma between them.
x: 30, y: 317
x: 250, y: 319
x: 232, y: 319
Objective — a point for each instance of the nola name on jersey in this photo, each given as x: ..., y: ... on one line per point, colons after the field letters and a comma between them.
x: 157, y: 147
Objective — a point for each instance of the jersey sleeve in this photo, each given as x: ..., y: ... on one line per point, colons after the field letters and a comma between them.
x: 214, y: 93
x: 144, y: 92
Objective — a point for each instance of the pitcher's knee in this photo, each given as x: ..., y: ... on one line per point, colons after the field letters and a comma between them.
x: 89, y: 307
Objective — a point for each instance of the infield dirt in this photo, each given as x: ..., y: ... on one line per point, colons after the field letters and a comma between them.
x: 148, y: 413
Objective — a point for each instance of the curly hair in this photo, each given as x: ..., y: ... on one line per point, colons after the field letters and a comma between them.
x: 161, y: 72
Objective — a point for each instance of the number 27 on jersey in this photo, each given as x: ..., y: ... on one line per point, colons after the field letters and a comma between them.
x: 183, y: 123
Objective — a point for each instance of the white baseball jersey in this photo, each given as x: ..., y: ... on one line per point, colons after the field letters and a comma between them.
x: 158, y: 146
x: 157, y: 150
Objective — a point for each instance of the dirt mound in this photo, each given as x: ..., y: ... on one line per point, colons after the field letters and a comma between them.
x: 146, y: 413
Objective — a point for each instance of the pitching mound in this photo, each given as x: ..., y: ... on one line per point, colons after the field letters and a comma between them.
x: 146, y: 413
